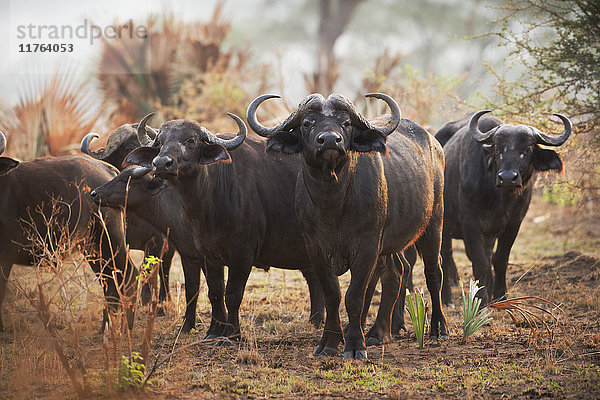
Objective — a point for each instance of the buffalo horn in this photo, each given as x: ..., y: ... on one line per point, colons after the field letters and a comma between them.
x: 229, y: 144
x: 395, y: 116
x: 474, y: 128
x: 554, y: 140
x: 290, y: 122
x: 85, y: 143
x: 143, y: 137
x: 138, y: 172
x: 2, y: 142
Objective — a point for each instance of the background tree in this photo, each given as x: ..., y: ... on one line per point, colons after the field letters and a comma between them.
x: 553, y: 66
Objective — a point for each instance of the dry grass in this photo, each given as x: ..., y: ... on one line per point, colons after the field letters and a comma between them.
x: 274, y: 360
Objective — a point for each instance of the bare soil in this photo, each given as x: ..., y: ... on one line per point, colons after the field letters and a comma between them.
x: 556, y: 257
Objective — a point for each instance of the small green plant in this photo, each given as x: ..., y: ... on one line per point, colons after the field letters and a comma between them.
x: 418, y: 312
x: 147, y: 267
x: 473, y: 317
x: 131, y: 372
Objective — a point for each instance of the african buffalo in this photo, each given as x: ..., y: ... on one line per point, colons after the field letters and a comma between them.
x: 144, y: 198
x: 28, y: 187
x: 490, y: 172
x: 354, y: 207
x: 240, y: 208
x: 140, y: 234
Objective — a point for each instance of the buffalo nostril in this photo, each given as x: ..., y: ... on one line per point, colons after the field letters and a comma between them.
x: 328, y: 138
x: 508, y: 176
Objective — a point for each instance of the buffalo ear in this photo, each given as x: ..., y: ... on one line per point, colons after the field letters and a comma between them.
x: 285, y: 142
x: 368, y: 140
x: 546, y: 160
x: 213, y: 153
x: 7, y: 164
x: 142, y: 156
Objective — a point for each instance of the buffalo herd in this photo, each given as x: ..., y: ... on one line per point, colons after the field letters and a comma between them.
x: 328, y: 191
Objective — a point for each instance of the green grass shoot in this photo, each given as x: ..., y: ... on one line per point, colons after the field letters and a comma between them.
x: 473, y: 317
x: 418, y: 312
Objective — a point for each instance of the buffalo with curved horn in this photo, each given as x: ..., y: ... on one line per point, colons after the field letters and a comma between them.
x: 355, y: 207
x: 490, y: 172
x: 140, y: 234
x: 239, y: 203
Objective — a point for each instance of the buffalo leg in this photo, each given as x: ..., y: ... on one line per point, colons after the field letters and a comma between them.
x: 475, y: 247
x: 332, y: 332
x: 429, y: 245
x: 448, y: 264
x: 361, y: 271
x: 165, y: 269
x: 448, y: 268
x: 398, y: 312
x: 390, y: 286
x: 215, y: 280
x: 317, y: 301
x: 191, y: 275
x: 116, y: 271
x: 234, y: 293
x: 155, y: 249
x: 500, y: 258
x: 379, y: 270
x: 4, y: 274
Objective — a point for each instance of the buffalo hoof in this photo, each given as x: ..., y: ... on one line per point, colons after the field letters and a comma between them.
x: 325, y: 351
x: 355, y: 355
x: 160, y: 312
x: 187, y: 328
x: 226, y: 343
x: 441, y: 337
x: 210, y: 338
x: 370, y: 341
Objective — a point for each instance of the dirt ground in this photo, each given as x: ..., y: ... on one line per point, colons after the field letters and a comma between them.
x: 556, y: 257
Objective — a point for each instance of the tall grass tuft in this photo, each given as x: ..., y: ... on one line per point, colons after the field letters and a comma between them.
x: 418, y: 313
x: 473, y: 317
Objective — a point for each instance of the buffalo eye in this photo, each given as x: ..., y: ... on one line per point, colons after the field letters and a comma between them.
x: 189, y: 142
x: 307, y: 124
x: 346, y: 123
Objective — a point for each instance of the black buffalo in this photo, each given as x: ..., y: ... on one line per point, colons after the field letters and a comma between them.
x: 140, y: 234
x: 148, y: 200
x: 240, y: 205
x: 28, y: 187
x: 354, y: 207
x: 490, y: 172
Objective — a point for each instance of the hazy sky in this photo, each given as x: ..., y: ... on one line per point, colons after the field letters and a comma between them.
x: 292, y: 53
x: 22, y: 22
